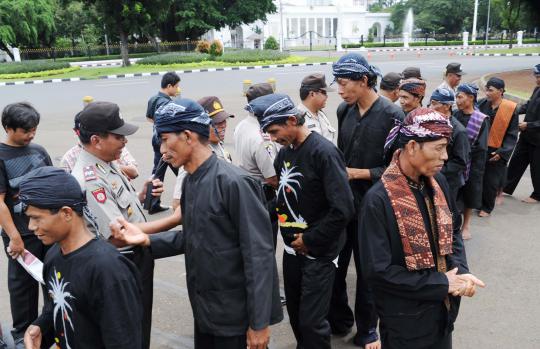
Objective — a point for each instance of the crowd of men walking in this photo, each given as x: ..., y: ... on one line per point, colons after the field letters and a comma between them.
x: 393, y: 186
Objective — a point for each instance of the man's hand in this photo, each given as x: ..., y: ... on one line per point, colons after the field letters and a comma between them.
x: 258, y: 339
x: 494, y: 157
x: 522, y: 126
x: 454, y: 282
x: 157, y: 189
x: 32, y: 337
x: 471, y: 282
x: 129, y: 233
x: 298, y: 244
x: 358, y: 173
x: 15, y: 247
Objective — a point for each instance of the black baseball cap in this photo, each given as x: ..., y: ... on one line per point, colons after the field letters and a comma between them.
x: 315, y: 82
x: 498, y: 83
x: 454, y: 68
x: 391, y: 81
x: 258, y: 90
x: 411, y: 72
x: 104, y: 117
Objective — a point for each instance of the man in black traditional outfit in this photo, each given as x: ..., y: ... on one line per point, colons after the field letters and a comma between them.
x: 477, y: 125
x: 314, y: 204
x: 503, y: 134
x: 459, y: 149
x: 227, y: 239
x: 364, y: 121
x: 95, y: 292
x: 528, y: 147
x: 410, y: 246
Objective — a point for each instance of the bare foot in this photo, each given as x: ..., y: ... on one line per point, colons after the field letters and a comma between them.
x: 466, y: 234
x: 530, y: 200
x: 499, y: 200
x: 483, y: 214
x: 373, y: 345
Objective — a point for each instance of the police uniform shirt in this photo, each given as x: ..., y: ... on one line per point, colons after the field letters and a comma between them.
x: 319, y: 123
x: 254, y: 149
x: 108, y: 192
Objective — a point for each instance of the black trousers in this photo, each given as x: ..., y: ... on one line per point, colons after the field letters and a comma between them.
x: 444, y: 343
x: 340, y: 316
x: 142, y: 258
x: 24, y: 290
x: 494, y: 175
x: 159, y: 172
x: 308, y: 289
x: 208, y: 341
x: 524, y: 155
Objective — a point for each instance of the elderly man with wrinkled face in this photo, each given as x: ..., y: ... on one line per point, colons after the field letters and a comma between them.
x: 410, y: 244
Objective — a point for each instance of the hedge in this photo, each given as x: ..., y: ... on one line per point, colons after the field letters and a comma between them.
x: 435, y: 43
x: 31, y: 66
x: 39, y: 73
x: 236, y: 56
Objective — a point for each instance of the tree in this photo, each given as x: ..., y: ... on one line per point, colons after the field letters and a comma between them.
x: 26, y: 23
x: 78, y: 22
x: 193, y: 18
x: 271, y: 44
x: 125, y: 17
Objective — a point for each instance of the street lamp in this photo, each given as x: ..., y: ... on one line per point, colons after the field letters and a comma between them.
x: 281, y: 38
x: 474, y: 20
x: 487, y: 22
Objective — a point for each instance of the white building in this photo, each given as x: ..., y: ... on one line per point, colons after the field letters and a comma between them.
x: 305, y: 21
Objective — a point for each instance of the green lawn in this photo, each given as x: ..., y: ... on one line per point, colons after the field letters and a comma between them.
x: 94, y: 73
x: 514, y: 50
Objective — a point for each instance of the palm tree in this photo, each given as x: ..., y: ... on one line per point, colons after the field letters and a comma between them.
x: 286, y: 181
x: 60, y: 298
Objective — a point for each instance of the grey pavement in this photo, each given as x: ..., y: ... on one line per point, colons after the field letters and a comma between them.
x: 502, y: 251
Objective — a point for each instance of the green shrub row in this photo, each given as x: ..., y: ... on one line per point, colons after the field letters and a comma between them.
x: 236, y: 56
x: 38, y: 74
x: 31, y: 66
x: 435, y: 43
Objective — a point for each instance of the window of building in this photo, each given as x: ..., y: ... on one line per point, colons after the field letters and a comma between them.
x: 319, y: 2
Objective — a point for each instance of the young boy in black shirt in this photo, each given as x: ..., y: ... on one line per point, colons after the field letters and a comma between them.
x: 18, y: 156
x: 314, y: 205
x: 95, y: 291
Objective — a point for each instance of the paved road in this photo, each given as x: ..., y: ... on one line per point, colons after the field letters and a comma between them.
x: 502, y: 251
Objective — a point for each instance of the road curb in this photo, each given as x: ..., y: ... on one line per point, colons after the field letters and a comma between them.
x: 498, y: 54
x: 189, y: 71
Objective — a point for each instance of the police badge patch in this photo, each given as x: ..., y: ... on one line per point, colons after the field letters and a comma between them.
x: 89, y: 173
x: 100, y: 195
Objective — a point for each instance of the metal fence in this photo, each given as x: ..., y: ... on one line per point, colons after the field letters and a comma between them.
x: 93, y: 51
x: 310, y: 40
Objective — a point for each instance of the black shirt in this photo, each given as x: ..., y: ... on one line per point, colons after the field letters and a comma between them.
x: 155, y: 102
x: 15, y: 162
x: 511, y: 135
x: 314, y: 196
x: 361, y: 138
x: 531, y: 109
x: 459, y: 152
x: 95, y: 298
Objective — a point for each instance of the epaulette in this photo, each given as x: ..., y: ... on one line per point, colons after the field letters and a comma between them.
x: 89, y: 173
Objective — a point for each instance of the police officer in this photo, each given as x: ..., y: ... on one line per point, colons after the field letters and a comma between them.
x: 314, y: 93
x: 102, y: 133
x: 256, y: 151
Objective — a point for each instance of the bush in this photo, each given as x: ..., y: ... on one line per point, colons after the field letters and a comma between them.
x: 216, y: 48
x: 31, y: 66
x: 175, y: 58
x: 247, y: 56
x: 203, y: 46
x: 271, y: 44
x: 236, y: 56
x: 39, y: 74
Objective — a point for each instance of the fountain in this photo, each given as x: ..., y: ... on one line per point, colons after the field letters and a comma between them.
x: 408, y: 27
